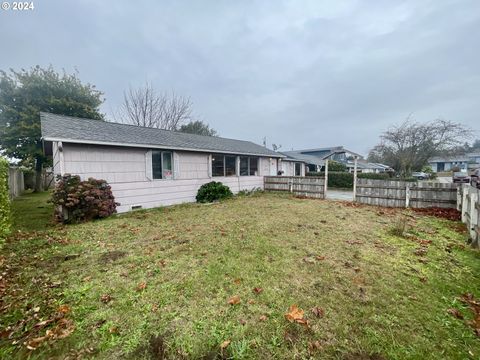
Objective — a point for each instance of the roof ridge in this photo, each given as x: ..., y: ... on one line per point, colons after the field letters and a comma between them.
x: 143, y: 127
x: 57, y: 126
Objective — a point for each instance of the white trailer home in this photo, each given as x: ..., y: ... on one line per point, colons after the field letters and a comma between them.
x: 149, y: 167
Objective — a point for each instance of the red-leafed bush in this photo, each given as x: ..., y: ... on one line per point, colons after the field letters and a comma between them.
x: 78, y: 201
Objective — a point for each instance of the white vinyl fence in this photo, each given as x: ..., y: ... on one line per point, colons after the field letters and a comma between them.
x: 468, y: 203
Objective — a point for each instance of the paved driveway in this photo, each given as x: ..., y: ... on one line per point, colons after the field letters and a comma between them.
x: 345, y: 195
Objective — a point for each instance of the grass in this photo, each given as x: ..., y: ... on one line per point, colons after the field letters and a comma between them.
x: 156, y: 284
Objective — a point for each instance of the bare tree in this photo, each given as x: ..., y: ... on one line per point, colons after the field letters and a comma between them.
x: 408, y: 146
x: 145, y: 107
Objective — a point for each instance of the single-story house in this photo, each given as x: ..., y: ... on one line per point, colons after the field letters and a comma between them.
x: 447, y: 163
x: 149, y: 167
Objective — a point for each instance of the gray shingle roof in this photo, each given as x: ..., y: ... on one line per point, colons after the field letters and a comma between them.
x: 77, y: 130
x: 308, y: 159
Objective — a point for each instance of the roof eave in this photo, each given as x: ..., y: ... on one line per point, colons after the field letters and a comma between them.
x: 152, y: 146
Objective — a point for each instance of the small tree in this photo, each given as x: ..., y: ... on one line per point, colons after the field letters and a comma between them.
x: 408, y: 146
x: 198, y: 127
x: 336, y: 166
x: 23, y: 94
x: 146, y: 107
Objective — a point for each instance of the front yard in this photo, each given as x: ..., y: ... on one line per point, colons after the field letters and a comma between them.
x: 215, y: 281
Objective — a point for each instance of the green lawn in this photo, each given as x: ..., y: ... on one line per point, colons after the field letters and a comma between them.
x: 157, y: 284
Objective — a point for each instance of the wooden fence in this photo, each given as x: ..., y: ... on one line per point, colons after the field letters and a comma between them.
x: 16, y: 185
x: 391, y: 193
x: 310, y: 186
x: 468, y: 204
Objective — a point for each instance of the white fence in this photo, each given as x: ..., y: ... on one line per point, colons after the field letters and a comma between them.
x: 16, y: 185
x: 468, y: 203
x: 313, y: 187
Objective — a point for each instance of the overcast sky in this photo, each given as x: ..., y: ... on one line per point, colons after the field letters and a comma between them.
x: 302, y: 73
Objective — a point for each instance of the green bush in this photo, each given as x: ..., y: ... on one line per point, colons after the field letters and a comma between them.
x: 5, y: 211
x: 78, y: 201
x: 379, y: 176
x: 213, y: 191
x: 335, y: 166
x: 345, y: 180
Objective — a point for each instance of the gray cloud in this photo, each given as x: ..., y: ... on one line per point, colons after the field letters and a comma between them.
x: 302, y: 73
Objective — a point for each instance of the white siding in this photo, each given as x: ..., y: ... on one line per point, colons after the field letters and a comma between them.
x: 288, y: 168
x: 126, y: 171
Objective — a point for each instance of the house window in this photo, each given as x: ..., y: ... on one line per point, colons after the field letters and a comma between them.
x: 230, y: 165
x: 224, y: 165
x: 298, y: 169
x: 248, y: 166
x: 162, y: 164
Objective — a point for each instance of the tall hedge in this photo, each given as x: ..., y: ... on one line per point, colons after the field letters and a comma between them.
x: 5, y: 212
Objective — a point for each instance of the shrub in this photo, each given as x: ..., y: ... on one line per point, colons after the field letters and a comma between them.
x: 5, y: 212
x: 78, y: 201
x: 432, y: 175
x: 213, y: 191
x: 379, y: 176
x: 335, y: 166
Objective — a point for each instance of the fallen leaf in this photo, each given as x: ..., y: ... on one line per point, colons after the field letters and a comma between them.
x: 234, y: 300
x: 257, y: 290
x: 318, y: 311
x: 456, y: 313
x: 43, y: 323
x: 251, y: 301
x: 113, y: 330
x: 296, y: 315
x: 224, y: 344
x: 65, y: 309
x: 263, y: 318
x: 141, y: 286
x: 242, y: 322
x: 35, y: 343
x: 105, y: 298
x: 237, y: 281
x: 319, y: 257
x: 36, y: 309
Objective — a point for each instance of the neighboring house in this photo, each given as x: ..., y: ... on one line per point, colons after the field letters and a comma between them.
x: 289, y: 166
x: 447, y: 163
x: 368, y: 167
x: 149, y: 167
x: 315, y: 159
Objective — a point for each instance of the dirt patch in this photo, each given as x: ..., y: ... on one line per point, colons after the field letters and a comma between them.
x: 449, y: 214
x: 157, y: 348
x: 364, y: 356
x: 112, y: 256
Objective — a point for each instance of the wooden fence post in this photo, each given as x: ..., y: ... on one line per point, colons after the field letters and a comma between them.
x: 355, y: 178
x: 407, y: 196
x: 326, y: 178
x: 473, y: 216
x: 459, y: 198
x: 464, y: 203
